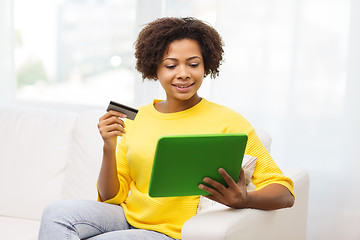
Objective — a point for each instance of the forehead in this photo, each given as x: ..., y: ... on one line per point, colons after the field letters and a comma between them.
x: 183, y: 48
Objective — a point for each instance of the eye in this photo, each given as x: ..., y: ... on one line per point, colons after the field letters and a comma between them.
x: 194, y: 65
x: 170, y: 66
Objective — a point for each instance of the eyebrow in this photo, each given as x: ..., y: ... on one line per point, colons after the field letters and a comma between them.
x: 175, y: 59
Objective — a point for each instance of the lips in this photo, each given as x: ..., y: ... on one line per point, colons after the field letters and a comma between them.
x: 183, y: 86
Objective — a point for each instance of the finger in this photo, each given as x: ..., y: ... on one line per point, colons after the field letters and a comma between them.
x: 228, y: 179
x: 216, y: 185
x: 112, y: 113
x: 220, y: 199
x: 210, y: 190
x: 109, y: 135
x: 117, y: 114
x: 114, y: 128
x: 111, y: 120
x: 109, y: 131
x: 116, y: 120
x: 112, y: 134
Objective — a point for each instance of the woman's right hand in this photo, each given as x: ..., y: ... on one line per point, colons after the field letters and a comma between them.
x: 110, y: 126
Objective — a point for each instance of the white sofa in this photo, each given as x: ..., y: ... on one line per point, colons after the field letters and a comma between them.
x: 48, y: 155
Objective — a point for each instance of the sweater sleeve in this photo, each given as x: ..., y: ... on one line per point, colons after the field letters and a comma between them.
x: 266, y: 171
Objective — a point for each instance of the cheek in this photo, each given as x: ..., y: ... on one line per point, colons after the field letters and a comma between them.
x: 165, y: 75
x: 199, y: 72
x: 199, y: 75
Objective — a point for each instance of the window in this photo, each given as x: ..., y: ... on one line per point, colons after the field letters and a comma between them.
x: 75, y: 51
x: 81, y: 51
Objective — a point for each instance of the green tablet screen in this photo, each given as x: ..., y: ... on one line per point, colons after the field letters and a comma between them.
x: 182, y: 161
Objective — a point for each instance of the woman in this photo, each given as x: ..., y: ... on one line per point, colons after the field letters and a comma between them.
x: 179, y: 53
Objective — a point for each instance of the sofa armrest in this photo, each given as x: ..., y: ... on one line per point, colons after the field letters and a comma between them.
x: 220, y: 222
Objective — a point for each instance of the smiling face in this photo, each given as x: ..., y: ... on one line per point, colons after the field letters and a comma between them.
x: 181, y: 73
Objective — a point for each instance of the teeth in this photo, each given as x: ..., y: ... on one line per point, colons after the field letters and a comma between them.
x: 182, y: 86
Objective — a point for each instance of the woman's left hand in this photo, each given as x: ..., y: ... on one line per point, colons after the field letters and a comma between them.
x: 234, y: 196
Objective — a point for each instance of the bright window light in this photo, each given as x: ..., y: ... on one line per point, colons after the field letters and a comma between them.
x: 75, y: 51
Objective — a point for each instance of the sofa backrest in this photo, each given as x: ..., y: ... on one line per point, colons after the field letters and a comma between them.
x: 34, y: 149
x: 85, y: 157
x: 45, y: 156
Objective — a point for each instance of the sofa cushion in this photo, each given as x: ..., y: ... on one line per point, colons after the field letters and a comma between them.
x: 19, y: 228
x: 34, y: 149
x: 85, y: 157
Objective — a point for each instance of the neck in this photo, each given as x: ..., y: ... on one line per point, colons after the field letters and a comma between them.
x: 172, y: 106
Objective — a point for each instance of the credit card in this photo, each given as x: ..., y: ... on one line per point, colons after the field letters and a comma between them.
x: 129, y: 111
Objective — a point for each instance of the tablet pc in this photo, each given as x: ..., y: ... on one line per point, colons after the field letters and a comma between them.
x: 182, y: 161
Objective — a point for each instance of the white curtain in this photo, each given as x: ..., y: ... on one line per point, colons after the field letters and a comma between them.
x: 7, y: 82
x: 292, y: 68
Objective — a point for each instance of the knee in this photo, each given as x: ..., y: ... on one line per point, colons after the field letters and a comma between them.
x: 58, y: 211
x: 53, y: 211
x: 56, y: 219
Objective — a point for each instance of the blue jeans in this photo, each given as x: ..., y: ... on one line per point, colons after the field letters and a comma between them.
x: 92, y: 220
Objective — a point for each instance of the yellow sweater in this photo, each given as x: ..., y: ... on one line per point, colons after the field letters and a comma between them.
x: 135, y: 154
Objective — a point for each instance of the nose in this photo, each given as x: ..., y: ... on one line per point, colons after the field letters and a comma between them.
x: 183, y: 73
